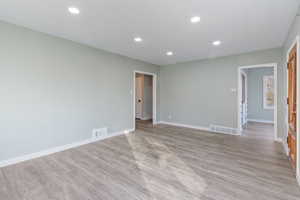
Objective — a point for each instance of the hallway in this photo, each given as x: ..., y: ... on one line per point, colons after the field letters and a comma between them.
x: 259, y: 130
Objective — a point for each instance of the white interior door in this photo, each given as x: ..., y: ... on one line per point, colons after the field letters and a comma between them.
x: 139, y: 96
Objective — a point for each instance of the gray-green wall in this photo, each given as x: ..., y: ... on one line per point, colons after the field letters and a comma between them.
x: 200, y: 93
x: 256, y: 109
x: 54, y: 91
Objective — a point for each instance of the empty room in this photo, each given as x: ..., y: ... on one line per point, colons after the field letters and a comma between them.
x: 149, y: 100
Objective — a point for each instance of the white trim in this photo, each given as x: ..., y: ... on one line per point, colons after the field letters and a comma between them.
x: 295, y: 42
x: 246, y: 96
x: 279, y: 140
x: 146, y: 118
x: 185, y: 125
x: 202, y: 128
x: 156, y: 123
x: 153, y: 96
x: 239, y: 95
x: 285, y: 147
x: 298, y: 179
x: 57, y: 149
x: 261, y: 121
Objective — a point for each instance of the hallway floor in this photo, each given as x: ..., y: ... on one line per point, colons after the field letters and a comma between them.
x: 259, y: 131
x: 143, y: 123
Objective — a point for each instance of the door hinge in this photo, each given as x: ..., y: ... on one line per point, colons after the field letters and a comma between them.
x: 287, y: 101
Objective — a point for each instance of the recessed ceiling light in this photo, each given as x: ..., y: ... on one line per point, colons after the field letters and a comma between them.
x: 74, y: 10
x: 138, y: 39
x: 169, y: 53
x: 195, y: 19
x: 217, y: 43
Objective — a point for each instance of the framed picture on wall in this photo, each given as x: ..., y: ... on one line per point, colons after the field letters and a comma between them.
x: 268, y: 92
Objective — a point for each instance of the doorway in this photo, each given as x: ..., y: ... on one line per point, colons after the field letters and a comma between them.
x: 257, y: 101
x: 144, y: 112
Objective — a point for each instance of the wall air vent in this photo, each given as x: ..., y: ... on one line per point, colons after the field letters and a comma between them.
x: 223, y: 129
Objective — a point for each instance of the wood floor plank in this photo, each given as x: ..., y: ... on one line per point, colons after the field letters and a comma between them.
x: 158, y: 163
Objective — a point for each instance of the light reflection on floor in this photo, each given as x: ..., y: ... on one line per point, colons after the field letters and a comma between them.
x: 152, y: 155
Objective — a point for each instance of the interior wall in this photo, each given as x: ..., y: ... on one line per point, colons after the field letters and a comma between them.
x: 55, y: 92
x: 139, y: 93
x: 256, y: 109
x: 204, y: 92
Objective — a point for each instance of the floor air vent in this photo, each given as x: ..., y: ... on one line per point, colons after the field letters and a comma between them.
x: 223, y: 129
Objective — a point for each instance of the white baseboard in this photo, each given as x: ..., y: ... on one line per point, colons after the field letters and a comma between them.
x: 129, y: 130
x: 156, y: 122
x: 146, y: 118
x: 284, y: 144
x: 285, y: 147
x: 58, y: 149
x: 260, y: 121
x: 184, y: 125
x: 207, y: 129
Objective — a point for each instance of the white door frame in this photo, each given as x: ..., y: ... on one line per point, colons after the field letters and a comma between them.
x: 154, y: 95
x: 246, y: 93
x: 295, y: 42
x: 139, y: 95
x: 239, y: 95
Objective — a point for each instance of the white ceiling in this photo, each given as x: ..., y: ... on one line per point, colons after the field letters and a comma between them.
x: 241, y: 25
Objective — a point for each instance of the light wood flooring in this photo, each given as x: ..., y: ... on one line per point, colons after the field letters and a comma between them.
x: 140, y: 124
x: 259, y: 130
x: 161, y: 163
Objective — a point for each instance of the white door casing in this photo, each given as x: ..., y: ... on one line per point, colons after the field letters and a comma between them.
x: 239, y: 95
x: 244, y: 102
x: 139, y: 97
